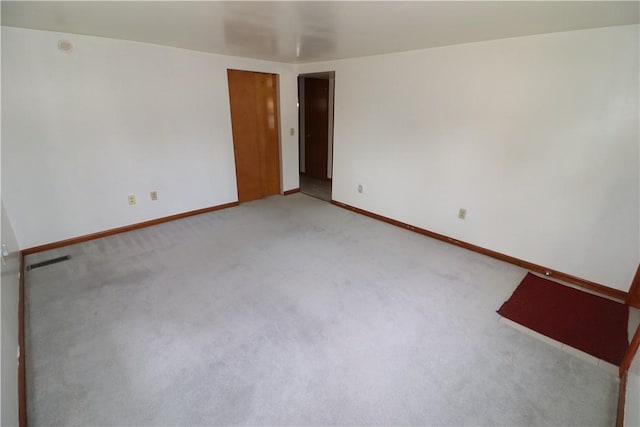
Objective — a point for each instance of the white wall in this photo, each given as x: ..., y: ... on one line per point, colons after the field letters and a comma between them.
x: 537, y: 137
x: 9, y: 338
x: 82, y: 130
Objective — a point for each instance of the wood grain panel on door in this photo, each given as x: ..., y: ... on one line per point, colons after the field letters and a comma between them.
x: 242, y: 95
x: 253, y: 98
x: 316, y: 122
x: 268, y: 136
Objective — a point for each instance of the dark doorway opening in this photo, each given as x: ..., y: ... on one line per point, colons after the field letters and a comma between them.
x: 316, y: 101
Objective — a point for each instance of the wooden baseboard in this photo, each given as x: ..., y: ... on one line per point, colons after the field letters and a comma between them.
x: 292, y: 191
x: 624, y: 372
x: 22, y: 374
x: 622, y: 394
x: 596, y: 287
x: 631, y: 352
x: 99, y: 234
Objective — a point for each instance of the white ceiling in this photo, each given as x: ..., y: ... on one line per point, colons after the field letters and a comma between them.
x: 314, y: 31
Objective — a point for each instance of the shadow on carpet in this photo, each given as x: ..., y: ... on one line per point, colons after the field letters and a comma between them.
x: 587, y: 322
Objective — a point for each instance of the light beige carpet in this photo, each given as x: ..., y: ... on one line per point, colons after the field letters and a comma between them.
x: 290, y: 311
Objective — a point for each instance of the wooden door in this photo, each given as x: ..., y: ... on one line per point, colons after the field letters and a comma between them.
x: 268, y: 137
x: 253, y: 98
x: 316, y: 124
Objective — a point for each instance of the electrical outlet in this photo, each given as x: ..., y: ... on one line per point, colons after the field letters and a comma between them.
x: 154, y: 195
x: 360, y: 188
x: 462, y: 213
x: 132, y: 199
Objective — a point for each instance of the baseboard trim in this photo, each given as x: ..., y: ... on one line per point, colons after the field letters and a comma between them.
x: 624, y: 372
x: 631, y: 352
x: 596, y: 287
x: 22, y: 373
x: 292, y: 191
x: 622, y: 394
x: 111, y: 232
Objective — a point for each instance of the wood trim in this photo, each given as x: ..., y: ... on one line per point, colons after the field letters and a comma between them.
x: 631, y: 352
x: 622, y: 394
x: 634, y: 290
x: 105, y: 233
x: 22, y: 377
x: 292, y: 191
x: 602, y: 289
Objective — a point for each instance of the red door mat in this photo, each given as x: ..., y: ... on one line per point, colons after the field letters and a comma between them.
x: 590, y: 323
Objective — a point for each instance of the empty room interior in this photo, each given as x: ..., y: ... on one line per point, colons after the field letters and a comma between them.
x: 320, y: 213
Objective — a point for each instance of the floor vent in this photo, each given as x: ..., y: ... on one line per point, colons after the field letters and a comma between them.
x: 48, y: 262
